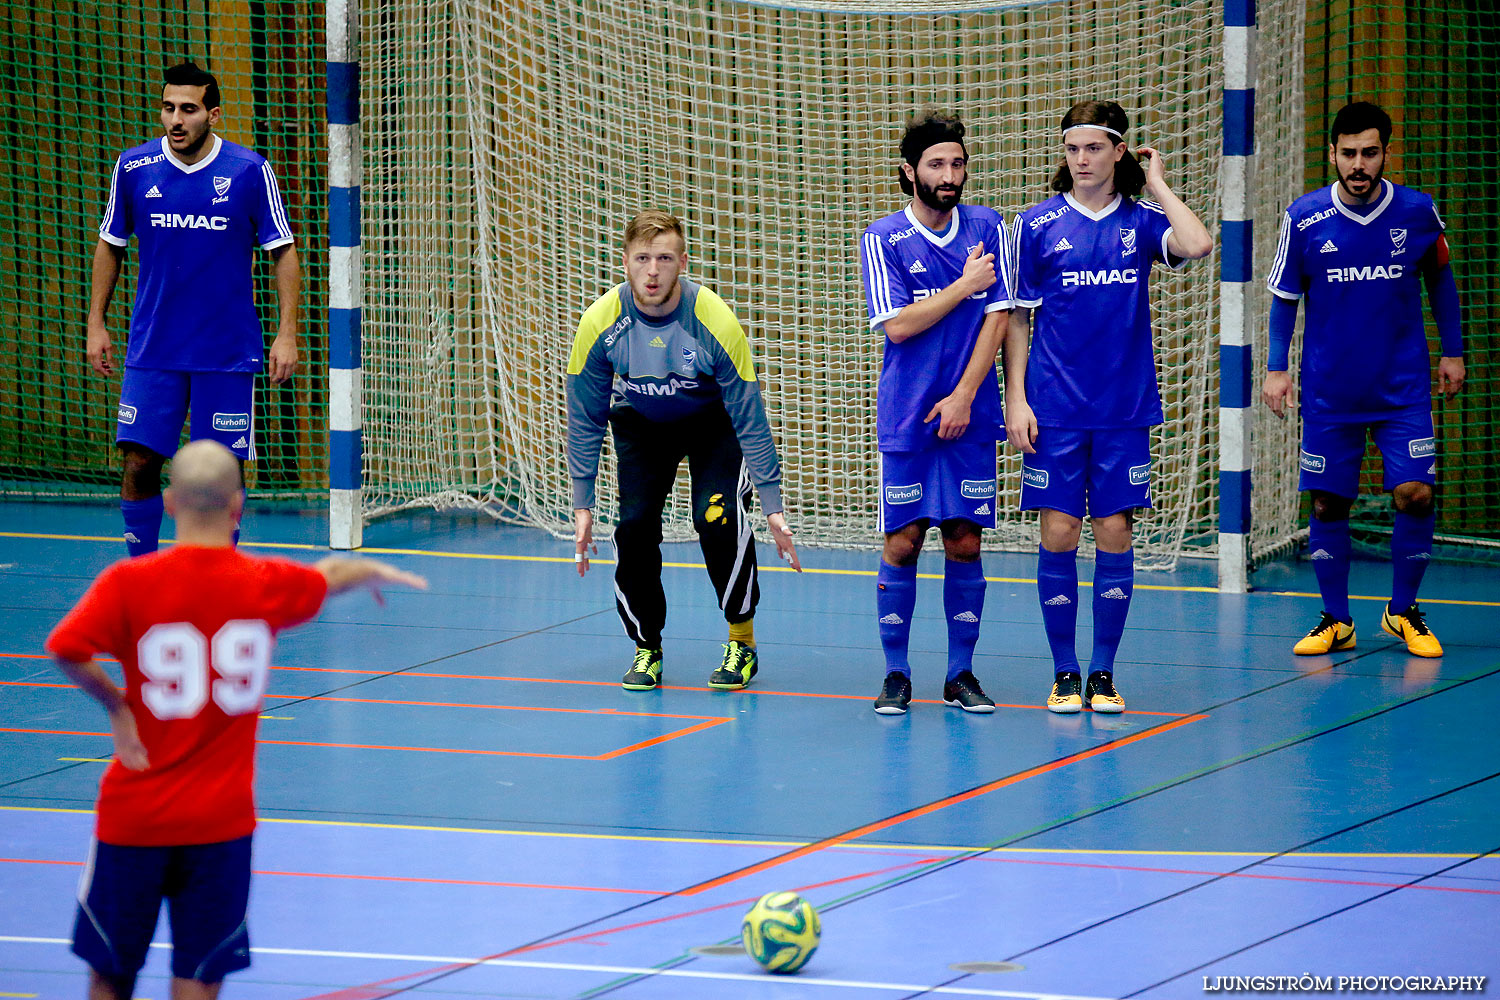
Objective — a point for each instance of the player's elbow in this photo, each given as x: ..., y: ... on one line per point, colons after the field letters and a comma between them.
x: 1198, y: 246
x: 896, y: 330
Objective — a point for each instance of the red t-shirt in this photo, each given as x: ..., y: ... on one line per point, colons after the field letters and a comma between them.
x: 193, y: 627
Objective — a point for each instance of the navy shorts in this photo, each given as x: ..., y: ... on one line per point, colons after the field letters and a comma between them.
x: 954, y: 480
x: 1095, y: 472
x: 154, y: 402
x: 1332, y: 452
x: 206, y: 886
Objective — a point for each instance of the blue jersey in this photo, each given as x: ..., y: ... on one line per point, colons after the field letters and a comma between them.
x: 1086, y: 276
x: 1364, y: 349
x: 197, y: 226
x: 904, y: 261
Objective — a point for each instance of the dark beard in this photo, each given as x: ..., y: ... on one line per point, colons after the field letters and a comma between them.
x: 1374, y: 184
x: 938, y: 202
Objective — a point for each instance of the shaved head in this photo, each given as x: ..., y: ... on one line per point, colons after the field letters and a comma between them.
x: 205, y: 479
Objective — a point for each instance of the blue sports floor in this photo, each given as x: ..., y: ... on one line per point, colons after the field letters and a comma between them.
x: 459, y: 800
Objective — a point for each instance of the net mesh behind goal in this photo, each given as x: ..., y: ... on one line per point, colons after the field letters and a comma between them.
x: 510, y: 141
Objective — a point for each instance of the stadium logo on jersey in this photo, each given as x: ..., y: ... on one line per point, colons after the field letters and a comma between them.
x: 977, y: 489
x: 903, y: 494
x: 126, y: 414
x: 231, y: 422
x: 1061, y: 244
x: 1140, y: 475
x: 916, y: 268
x: 1328, y: 247
x: 620, y: 327
x: 154, y: 192
x: 1387, y: 272
x: 1313, y: 463
x: 966, y: 616
x: 1117, y: 277
x: 1398, y: 241
x: 1034, y: 477
x: 895, y: 238
x: 689, y: 361
x: 146, y: 162
x: 1422, y: 447
x: 665, y: 388
x: 1042, y: 220
x: 1316, y: 217
x: 171, y: 220
x: 1127, y: 237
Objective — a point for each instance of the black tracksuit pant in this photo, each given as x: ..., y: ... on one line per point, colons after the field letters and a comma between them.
x: 649, y: 453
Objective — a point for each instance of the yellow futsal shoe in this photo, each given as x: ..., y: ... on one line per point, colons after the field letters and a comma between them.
x: 1067, y: 693
x: 1328, y: 636
x: 1411, y: 628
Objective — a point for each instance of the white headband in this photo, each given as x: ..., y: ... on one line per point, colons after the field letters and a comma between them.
x: 1102, y: 128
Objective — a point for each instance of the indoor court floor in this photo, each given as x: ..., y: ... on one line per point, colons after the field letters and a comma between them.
x: 459, y: 800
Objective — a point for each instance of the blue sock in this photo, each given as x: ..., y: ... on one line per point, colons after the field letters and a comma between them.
x: 1114, y: 582
x: 895, y: 600
x: 1057, y: 589
x: 1328, y: 541
x: 142, y: 524
x: 963, y: 606
x: 235, y: 539
x: 1411, y: 550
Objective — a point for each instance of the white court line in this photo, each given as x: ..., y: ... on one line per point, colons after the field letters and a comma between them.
x: 627, y: 970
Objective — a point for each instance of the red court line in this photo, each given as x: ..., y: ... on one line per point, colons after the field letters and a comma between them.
x: 932, y: 807
x: 391, y: 878
x: 563, y: 680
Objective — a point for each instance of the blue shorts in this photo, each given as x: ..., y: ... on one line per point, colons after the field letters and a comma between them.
x: 1332, y: 452
x: 154, y: 403
x: 951, y: 481
x: 1109, y: 471
x: 206, y: 886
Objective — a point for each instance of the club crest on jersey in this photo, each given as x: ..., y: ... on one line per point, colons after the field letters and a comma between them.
x: 1140, y: 475
x: 231, y: 422
x: 1422, y: 447
x: 221, y: 185
x: 977, y: 489
x: 126, y: 414
x: 1034, y: 477
x: 1398, y: 242
x: 1313, y: 463
x: 689, y: 361
x: 903, y: 494
x: 1127, y: 237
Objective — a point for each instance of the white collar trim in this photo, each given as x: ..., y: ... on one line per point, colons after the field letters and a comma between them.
x: 191, y: 168
x: 1363, y: 220
x: 1096, y: 216
x: 929, y: 235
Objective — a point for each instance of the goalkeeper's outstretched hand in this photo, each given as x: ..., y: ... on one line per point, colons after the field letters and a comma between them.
x: 583, y: 538
x: 785, y: 547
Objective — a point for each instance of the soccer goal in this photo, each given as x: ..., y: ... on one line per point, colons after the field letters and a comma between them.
x: 505, y: 144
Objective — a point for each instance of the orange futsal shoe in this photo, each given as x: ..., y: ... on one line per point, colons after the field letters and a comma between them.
x: 1411, y: 628
x: 1328, y: 636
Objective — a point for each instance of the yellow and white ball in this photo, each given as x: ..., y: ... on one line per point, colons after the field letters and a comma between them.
x: 781, y: 931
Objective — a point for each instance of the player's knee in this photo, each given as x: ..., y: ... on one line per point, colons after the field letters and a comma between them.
x: 1060, y: 531
x: 901, y: 549
x: 716, y: 514
x: 1330, y: 507
x: 1414, y: 499
x: 140, y: 477
x: 961, y: 543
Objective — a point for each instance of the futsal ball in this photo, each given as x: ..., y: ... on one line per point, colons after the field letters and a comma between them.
x: 781, y: 931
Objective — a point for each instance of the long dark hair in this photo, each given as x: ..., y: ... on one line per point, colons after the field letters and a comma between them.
x: 1130, y: 178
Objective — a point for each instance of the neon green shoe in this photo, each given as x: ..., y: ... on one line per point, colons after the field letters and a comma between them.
x: 645, y: 671
x: 740, y: 664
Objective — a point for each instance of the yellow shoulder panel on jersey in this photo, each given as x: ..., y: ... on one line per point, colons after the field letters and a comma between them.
x: 596, y: 319
x: 715, y: 314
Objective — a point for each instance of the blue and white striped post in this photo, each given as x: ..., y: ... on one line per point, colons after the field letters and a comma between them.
x: 1235, y: 235
x: 346, y: 450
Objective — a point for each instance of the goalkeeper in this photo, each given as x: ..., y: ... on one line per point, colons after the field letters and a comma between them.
x: 664, y: 361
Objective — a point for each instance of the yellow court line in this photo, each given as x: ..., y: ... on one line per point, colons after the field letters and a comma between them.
x: 871, y: 846
x: 763, y: 569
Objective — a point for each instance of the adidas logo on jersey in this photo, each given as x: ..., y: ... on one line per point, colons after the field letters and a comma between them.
x: 1328, y: 248
x: 893, y: 619
x: 966, y: 616
x: 983, y: 510
x: 1321, y: 554
x: 658, y: 342
x: 916, y: 268
x: 154, y: 192
x: 1114, y: 594
x: 240, y: 443
x: 1062, y: 244
x: 1058, y: 601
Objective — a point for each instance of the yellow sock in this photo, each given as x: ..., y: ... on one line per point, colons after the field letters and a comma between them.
x: 743, y: 632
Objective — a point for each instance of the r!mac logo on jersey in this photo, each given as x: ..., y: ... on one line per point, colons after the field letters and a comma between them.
x: 977, y: 489
x: 903, y: 494
x: 231, y: 423
x: 172, y: 220
x: 1127, y: 276
x: 1386, y: 272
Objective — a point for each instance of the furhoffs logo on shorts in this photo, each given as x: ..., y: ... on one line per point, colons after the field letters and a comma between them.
x: 1313, y: 463
x: 977, y: 489
x: 232, y: 423
x: 1140, y: 475
x: 1034, y: 477
x: 126, y: 414
x: 1422, y: 447
x: 903, y: 494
